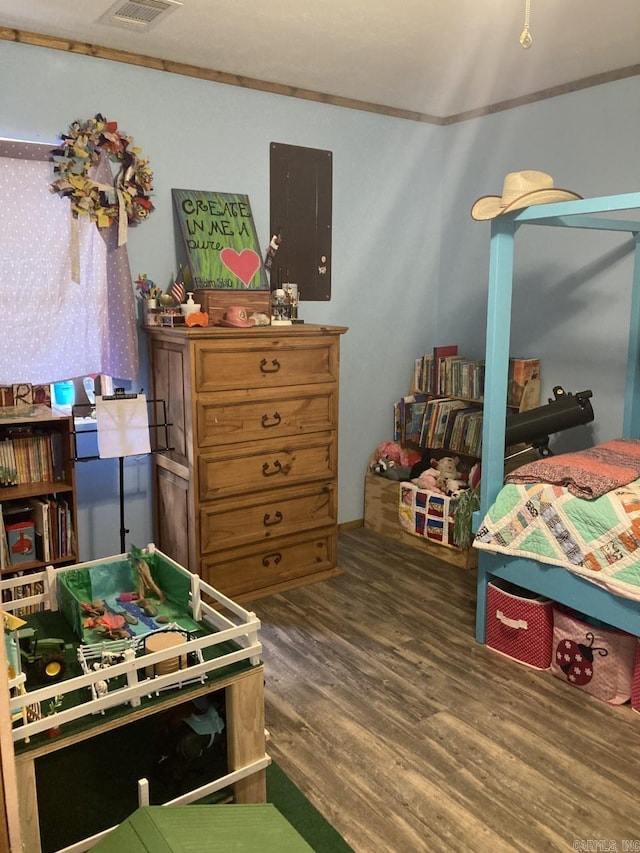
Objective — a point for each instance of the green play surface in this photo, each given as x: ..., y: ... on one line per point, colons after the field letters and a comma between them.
x: 112, y: 585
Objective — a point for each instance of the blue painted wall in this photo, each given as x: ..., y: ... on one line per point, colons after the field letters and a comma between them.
x: 201, y: 135
x: 409, y: 264
x: 572, y: 288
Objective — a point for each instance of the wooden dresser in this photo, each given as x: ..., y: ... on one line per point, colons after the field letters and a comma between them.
x: 247, y: 496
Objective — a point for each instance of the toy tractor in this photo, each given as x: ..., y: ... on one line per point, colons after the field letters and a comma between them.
x: 43, y: 656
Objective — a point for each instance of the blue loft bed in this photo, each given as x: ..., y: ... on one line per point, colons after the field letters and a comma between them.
x: 552, y: 581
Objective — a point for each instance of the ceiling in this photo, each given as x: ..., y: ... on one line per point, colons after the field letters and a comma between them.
x: 441, y: 59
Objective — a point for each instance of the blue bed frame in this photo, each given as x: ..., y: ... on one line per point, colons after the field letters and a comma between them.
x: 554, y: 582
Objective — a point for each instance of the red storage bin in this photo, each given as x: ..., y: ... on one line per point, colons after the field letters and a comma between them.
x: 593, y: 657
x: 519, y: 624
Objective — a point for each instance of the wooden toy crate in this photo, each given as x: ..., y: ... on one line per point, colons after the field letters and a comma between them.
x: 381, y: 497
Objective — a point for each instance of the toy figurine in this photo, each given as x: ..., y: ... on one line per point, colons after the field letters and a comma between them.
x: 143, y: 572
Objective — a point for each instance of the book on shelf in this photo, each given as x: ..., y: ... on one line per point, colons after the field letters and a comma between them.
x: 408, y: 416
x: 439, y: 354
x: 21, y: 542
x: 446, y: 373
x: 442, y: 413
x: 40, y: 514
x: 455, y: 423
x: 4, y: 547
x: 459, y: 428
x: 472, y: 438
x: 423, y: 374
x: 523, y: 387
x: 8, y: 466
x: 31, y: 457
x: 413, y: 415
x: 450, y: 382
x: 429, y: 421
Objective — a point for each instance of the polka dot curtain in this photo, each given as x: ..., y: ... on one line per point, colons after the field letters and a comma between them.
x: 53, y: 328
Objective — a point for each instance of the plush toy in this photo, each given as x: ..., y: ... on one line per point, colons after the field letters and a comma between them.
x: 454, y: 487
x: 474, y: 476
x: 447, y: 469
x: 395, y: 452
x: 391, y: 470
x: 428, y: 480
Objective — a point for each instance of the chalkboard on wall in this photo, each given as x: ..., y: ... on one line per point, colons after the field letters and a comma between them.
x: 219, y: 240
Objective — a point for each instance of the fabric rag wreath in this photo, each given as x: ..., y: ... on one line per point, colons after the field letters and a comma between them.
x: 127, y: 200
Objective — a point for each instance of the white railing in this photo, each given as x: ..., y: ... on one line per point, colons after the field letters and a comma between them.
x: 241, y: 627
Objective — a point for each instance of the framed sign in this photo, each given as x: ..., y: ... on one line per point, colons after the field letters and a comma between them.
x: 221, y: 248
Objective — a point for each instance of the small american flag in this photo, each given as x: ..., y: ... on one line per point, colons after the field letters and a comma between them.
x: 178, y: 290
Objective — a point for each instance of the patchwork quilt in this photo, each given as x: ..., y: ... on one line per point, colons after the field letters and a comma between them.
x: 596, y: 539
x: 426, y: 514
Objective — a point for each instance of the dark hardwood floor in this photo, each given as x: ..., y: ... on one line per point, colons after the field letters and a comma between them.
x: 409, y: 736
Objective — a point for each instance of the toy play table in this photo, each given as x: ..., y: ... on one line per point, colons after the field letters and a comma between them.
x: 223, y: 655
x: 245, y: 741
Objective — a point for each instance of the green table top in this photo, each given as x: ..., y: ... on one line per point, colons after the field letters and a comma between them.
x: 230, y: 828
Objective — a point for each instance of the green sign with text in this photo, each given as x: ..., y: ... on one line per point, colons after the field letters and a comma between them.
x: 220, y: 241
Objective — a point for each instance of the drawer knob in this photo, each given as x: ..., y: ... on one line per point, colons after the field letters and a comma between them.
x: 269, y: 522
x: 271, y: 558
x: 278, y: 468
x: 265, y: 368
x: 272, y: 421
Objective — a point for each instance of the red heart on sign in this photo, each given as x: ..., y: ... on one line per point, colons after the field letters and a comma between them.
x: 242, y: 264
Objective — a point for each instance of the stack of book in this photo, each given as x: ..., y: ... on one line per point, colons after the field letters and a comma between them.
x: 444, y: 372
x: 29, y: 457
x: 35, y: 529
x: 445, y: 410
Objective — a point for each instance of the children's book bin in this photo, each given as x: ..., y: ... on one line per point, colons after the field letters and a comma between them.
x: 592, y: 656
x: 519, y: 624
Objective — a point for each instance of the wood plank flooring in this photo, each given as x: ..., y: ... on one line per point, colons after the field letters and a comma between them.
x: 408, y: 736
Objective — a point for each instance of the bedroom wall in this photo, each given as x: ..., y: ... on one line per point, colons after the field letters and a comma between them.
x: 572, y: 288
x: 409, y: 265
x: 202, y: 135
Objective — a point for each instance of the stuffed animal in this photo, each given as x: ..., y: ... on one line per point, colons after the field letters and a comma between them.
x: 390, y: 469
x: 474, y: 476
x: 447, y: 469
x: 395, y: 452
x: 454, y: 487
x: 428, y: 480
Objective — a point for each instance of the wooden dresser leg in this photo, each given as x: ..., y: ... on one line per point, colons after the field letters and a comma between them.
x: 245, y: 733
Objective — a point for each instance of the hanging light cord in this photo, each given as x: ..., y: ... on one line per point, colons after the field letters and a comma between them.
x: 526, y: 40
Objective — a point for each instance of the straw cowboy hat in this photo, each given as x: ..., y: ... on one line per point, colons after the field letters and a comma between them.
x: 520, y: 189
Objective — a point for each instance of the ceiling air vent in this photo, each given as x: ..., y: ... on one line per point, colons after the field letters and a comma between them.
x: 138, y: 14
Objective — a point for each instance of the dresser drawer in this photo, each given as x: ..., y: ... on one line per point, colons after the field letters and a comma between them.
x: 282, y: 413
x: 251, y: 570
x: 225, y: 524
x: 276, y: 363
x: 243, y: 469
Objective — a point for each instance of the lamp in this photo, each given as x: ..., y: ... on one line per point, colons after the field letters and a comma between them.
x: 534, y: 427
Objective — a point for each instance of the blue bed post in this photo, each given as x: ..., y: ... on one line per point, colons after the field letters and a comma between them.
x: 552, y: 581
x: 495, y: 390
x: 631, y: 422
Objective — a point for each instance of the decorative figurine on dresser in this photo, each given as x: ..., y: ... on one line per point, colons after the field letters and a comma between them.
x: 247, y: 497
